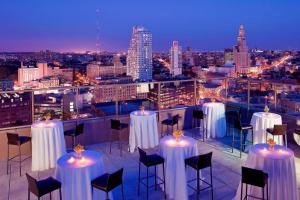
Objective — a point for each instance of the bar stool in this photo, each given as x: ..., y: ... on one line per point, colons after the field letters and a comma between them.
x: 170, y: 122
x: 16, y: 140
x: 278, y: 130
x: 108, y: 182
x: 75, y: 132
x: 230, y: 117
x: 243, y: 129
x: 116, y: 125
x: 256, y: 178
x: 150, y: 161
x: 198, y: 116
x: 200, y: 162
x: 43, y: 187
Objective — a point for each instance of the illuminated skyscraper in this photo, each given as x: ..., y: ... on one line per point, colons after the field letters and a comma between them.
x: 139, y: 59
x: 175, y: 59
x: 241, y: 56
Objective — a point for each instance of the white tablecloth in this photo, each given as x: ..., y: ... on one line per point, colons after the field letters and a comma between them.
x: 215, y: 119
x: 176, y: 174
x: 297, y: 138
x: 143, y: 130
x: 260, y: 122
x: 76, y: 175
x: 280, y: 166
x: 48, y: 144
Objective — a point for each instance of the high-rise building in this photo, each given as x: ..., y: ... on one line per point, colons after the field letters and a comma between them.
x: 241, y: 56
x: 43, y: 69
x: 189, y: 58
x: 176, y: 59
x: 27, y: 74
x: 228, y: 55
x: 139, y: 59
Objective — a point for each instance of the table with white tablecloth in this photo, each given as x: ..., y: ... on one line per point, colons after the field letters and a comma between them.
x: 143, y: 130
x: 176, y: 175
x: 279, y: 164
x: 76, y: 174
x: 260, y: 122
x: 48, y: 144
x: 215, y: 121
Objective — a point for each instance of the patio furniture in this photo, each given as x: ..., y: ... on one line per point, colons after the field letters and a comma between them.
x: 278, y: 131
x: 74, y: 133
x: 198, y: 118
x: 170, y: 122
x: 117, y: 126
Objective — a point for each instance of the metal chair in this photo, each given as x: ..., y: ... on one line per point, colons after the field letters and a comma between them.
x: 243, y: 129
x: 170, y: 122
x: 201, y: 162
x: 108, y: 182
x: 278, y: 130
x: 116, y: 125
x: 43, y: 187
x: 16, y: 140
x: 150, y: 161
x: 198, y: 117
x: 75, y: 132
x: 230, y: 117
x: 256, y: 178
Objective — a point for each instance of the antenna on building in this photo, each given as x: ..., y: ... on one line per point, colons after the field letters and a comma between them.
x: 98, y: 31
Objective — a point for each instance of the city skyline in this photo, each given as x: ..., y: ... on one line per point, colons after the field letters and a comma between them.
x: 204, y: 25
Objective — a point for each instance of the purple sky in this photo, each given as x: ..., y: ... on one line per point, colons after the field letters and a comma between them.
x: 65, y: 25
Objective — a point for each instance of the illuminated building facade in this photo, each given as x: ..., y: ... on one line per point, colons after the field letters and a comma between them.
x: 176, y: 59
x: 139, y: 59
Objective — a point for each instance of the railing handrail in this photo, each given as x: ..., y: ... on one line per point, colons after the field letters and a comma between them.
x: 140, y: 83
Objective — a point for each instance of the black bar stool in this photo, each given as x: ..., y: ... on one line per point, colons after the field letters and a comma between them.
x: 199, y: 116
x: 256, y: 178
x: 243, y: 129
x: 170, y: 122
x: 42, y: 187
x: 200, y: 162
x: 278, y: 130
x: 116, y: 125
x: 75, y: 132
x: 108, y: 182
x: 150, y: 161
x: 16, y: 140
x: 230, y: 117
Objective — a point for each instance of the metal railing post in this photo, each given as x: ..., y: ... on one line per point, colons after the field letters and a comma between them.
x: 32, y: 106
x: 77, y: 96
x: 275, y: 97
x: 195, y: 92
x: 117, y: 103
x: 248, y: 97
x: 158, y: 100
x: 226, y: 89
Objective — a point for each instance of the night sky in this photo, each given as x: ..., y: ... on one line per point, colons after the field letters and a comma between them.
x: 70, y: 25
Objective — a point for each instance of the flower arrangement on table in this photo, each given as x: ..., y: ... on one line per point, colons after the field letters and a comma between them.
x: 142, y: 109
x: 271, y: 144
x: 47, y: 115
x: 178, y: 134
x: 78, y: 150
x: 266, y: 109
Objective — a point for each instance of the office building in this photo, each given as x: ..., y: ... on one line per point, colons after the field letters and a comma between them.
x: 176, y: 59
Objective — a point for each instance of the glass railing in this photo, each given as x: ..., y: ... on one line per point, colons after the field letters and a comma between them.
x: 66, y: 103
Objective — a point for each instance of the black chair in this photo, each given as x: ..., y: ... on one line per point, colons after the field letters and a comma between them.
x: 278, y: 130
x: 150, y: 161
x: 75, y: 132
x: 198, y: 117
x: 230, y: 117
x: 256, y: 178
x: 16, y: 140
x: 108, y: 182
x: 243, y: 129
x: 116, y: 125
x: 200, y: 162
x: 42, y: 187
x: 170, y: 122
